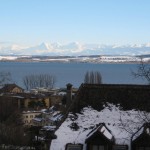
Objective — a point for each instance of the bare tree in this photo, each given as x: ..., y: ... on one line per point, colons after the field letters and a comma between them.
x: 39, y: 80
x: 11, y: 129
x: 143, y: 71
x: 93, y: 77
x: 86, y: 77
x: 134, y: 124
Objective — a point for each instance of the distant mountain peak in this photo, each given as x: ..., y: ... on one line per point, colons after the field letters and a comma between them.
x: 43, y: 46
x: 75, y: 48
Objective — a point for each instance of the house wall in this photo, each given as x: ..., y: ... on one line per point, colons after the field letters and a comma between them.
x: 47, y: 101
x: 55, y: 99
x: 26, y: 101
x: 11, y: 88
x: 17, y: 90
x: 28, y: 116
x: 99, y: 140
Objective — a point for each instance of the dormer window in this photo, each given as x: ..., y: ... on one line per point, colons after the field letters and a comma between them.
x: 141, y: 138
x: 98, y: 147
x: 120, y: 147
x: 143, y: 148
x: 74, y: 147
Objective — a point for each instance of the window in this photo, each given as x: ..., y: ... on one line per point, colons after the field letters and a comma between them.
x: 26, y: 121
x: 120, y: 147
x: 98, y: 147
x: 31, y: 116
x: 140, y: 148
x: 143, y: 148
x: 74, y: 147
x: 26, y: 116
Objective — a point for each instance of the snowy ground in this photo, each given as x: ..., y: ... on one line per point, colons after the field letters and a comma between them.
x: 121, y: 123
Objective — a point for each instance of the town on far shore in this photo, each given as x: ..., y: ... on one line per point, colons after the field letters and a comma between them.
x: 82, y: 59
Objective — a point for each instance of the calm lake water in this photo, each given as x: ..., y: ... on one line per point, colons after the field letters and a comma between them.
x: 72, y: 72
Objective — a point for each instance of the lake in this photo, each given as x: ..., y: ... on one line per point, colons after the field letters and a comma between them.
x: 72, y: 72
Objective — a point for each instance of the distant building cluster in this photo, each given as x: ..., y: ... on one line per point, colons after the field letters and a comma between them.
x: 37, y: 102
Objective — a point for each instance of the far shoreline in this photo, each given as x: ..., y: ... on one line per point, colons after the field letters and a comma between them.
x: 92, y: 59
x: 69, y: 62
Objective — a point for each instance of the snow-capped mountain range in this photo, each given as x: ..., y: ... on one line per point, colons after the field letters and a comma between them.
x: 74, y: 49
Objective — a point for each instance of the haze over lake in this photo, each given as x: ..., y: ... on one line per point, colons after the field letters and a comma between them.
x: 72, y: 72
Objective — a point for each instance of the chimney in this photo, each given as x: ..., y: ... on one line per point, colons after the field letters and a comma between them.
x: 69, y: 94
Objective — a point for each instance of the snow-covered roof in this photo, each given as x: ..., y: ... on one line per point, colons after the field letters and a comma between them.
x: 19, y: 97
x: 122, y: 125
x: 56, y: 113
x: 31, y: 111
x: 56, y: 118
x: 49, y: 128
x: 37, y: 119
x: 145, y: 128
x: 43, y: 110
x: 62, y: 93
x: 103, y: 130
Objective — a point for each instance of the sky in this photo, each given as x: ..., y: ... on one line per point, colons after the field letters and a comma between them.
x: 86, y: 21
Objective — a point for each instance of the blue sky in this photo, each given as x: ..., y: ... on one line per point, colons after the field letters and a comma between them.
x: 86, y: 21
